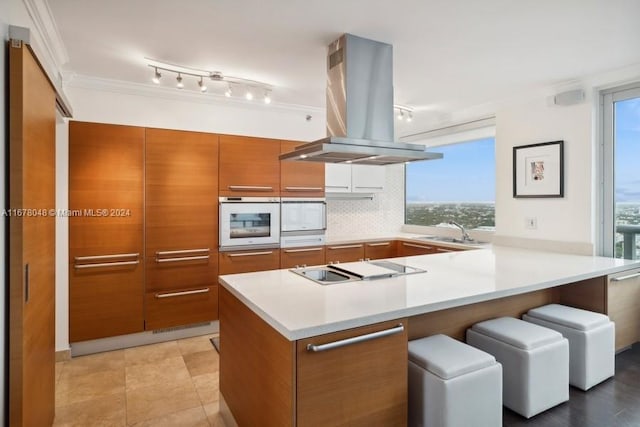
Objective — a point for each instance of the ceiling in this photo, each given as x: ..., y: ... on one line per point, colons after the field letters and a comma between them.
x: 449, y: 55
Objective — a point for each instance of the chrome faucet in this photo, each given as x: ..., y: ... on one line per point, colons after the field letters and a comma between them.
x: 465, y: 235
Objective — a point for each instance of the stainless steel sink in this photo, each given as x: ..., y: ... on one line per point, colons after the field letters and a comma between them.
x: 445, y: 239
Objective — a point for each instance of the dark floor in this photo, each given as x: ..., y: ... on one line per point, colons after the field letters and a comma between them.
x: 615, y: 402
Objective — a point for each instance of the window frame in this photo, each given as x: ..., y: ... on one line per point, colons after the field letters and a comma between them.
x: 605, y: 208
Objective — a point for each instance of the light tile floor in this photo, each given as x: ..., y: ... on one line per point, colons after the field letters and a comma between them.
x: 173, y: 383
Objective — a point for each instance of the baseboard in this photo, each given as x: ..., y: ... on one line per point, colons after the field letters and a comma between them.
x: 63, y: 355
x: 143, y: 338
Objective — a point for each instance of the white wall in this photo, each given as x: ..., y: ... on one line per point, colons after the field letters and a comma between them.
x: 191, y: 112
x: 567, y: 219
x: 4, y: 30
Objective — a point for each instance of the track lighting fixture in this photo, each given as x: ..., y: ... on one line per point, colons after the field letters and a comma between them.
x: 404, y: 113
x: 233, y: 86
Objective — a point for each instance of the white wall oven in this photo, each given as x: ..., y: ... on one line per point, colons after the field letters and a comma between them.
x: 249, y: 222
x: 304, y: 221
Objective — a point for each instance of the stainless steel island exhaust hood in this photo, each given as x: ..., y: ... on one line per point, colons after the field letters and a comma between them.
x: 359, y: 109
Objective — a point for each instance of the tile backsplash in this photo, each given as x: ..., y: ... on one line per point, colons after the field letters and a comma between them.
x: 353, y: 219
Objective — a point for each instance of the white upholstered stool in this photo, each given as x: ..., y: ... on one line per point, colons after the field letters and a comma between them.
x: 591, y: 341
x: 453, y: 384
x: 535, y: 362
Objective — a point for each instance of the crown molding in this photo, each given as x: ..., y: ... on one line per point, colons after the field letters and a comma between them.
x: 153, y: 91
x: 47, y: 32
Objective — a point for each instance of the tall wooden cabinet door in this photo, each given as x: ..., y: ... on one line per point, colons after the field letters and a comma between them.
x: 181, y: 227
x: 249, y: 166
x: 300, y: 179
x: 31, y: 268
x: 623, y: 297
x: 358, y: 383
x: 106, y: 278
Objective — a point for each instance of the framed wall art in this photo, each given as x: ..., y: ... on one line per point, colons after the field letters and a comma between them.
x: 538, y: 170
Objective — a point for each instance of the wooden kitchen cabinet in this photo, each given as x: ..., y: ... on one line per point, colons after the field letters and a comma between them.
x: 623, y: 295
x: 409, y: 249
x: 106, y: 273
x: 379, y: 250
x: 345, y: 253
x: 358, y: 384
x: 249, y: 166
x: 181, y: 227
x: 300, y: 179
x: 292, y: 257
x: 248, y: 261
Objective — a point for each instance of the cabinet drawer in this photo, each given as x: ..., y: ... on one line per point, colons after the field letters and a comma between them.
x: 292, y: 257
x: 623, y: 295
x: 359, y: 383
x: 345, y: 253
x: 180, y: 307
x: 409, y: 249
x: 104, y: 300
x: 176, y: 270
x: 248, y: 261
x: 378, y: 250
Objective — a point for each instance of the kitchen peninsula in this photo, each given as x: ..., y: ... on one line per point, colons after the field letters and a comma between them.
x: 275, y: 368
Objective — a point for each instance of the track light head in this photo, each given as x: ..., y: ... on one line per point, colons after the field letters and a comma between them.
x: 400, y: 115
x: 267, y: 97
x: 203, y: 87
x: 179, y: 85
x: 156, y: 77
x: 249, y: 95
x: 228, y: 92
x: 410, y: 117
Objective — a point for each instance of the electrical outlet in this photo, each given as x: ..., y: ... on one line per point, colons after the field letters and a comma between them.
x: 531, y: 223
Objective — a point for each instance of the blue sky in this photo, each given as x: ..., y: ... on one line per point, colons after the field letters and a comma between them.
x: 465, y: 174
x: 627, y: 150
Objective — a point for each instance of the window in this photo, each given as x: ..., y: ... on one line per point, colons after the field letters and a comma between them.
x: 459, y: 187
x: 621, y: 190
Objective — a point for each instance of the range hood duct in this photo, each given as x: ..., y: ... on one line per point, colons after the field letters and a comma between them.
x: 359, y: 109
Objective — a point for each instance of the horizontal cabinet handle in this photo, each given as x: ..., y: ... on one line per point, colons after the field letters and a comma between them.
x: 303, y: 188
x: 345, y: 247
x: 183, y: 293
x: 379, y: 244
x: 443, y: 250
x: 336, y: 186
x: 290, y: 251
x: 410, y: 245
x: 250, y: 188
x: 250, y: 254
x: 628, y: 276
x: 107, y: 264
x: 185, y: 251
x: 105, y: 257
x: 184, y: 258
x: 364, y: 186
x: 354, y: 340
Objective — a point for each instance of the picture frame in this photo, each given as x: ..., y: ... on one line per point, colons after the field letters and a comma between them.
x: 538, y: 170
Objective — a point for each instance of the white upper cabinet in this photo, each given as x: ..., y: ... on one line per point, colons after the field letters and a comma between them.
x: 343, y: 178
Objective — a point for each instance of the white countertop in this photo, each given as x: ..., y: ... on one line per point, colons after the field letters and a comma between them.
x: 299, y: 308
